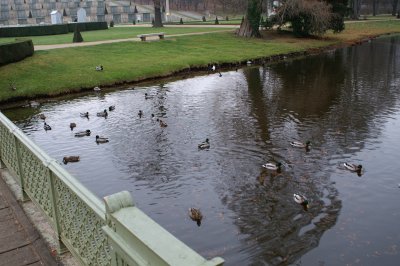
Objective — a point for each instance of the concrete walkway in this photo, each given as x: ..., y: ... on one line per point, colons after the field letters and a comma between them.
x: 20, y: 243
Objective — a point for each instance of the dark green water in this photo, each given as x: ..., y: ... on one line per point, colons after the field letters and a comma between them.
x: 345, y: 102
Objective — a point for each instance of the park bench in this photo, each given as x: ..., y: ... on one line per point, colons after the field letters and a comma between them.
x: 143, y: 36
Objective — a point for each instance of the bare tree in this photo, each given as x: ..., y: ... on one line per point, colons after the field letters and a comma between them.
x: 394, y: 7
x: 157, y: 14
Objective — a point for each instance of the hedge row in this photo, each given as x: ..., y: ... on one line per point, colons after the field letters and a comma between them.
x: 16, y: 51
x: 50, y: 29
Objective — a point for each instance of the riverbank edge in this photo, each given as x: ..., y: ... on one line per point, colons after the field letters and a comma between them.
x: 195, y: 70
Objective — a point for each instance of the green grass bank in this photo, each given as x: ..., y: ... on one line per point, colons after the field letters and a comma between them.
x: 59, y: 71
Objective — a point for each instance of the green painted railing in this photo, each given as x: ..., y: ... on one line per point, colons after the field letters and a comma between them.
x: 113, y: 232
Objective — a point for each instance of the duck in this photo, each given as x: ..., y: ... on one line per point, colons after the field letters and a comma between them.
x: 163, y: 124
x: 299, y: 144
x: 86, y: 114
x: 101, y: 139
x: 111, y: 108
x: 72, y: 126
x: 195, y: 215
x: 273, y: 166
x: 204, y: 145
x: 42, y: 116
x: 99, y: 68
x: 96, y: 88
x: 70, y: 159
x: 46, y: 126
x: 146, y: 96
x: 83, y: 133
x: 140, y: 113
x: 213, y: 68
x: 353, y: 167
x: 103, y: 114
x: 300, y: 199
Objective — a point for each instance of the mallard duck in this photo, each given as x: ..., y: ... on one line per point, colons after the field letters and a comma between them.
x: 301, y: 200
x: 83, y: 133
x: 140, y: 113
x: 163, y: 124
x: 46, y: 126
x: 213, y: 68
x: 353, y: 167
x: 72, y: 126
x: 42, y: 116
x: 99, y: 68
x: 146, y: 96
x: 103, y: 114
x: 204, y: 145
x: 299, y: 144
x: 85, y: 114
x: 70, y: 159
x: 101, y: 139
x: 273, y: 166
x: 195, y: 215
x: 111, y: 108
x: 96, y: 88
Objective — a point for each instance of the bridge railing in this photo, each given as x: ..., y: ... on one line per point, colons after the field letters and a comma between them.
x: 109, y: 232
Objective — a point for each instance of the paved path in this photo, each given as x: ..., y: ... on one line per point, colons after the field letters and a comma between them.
x: 68, y: 45
x: 20, y: 243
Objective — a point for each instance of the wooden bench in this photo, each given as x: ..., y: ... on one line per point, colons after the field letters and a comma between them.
x: 143, y: 36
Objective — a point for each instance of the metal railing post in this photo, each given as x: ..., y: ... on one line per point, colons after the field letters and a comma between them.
x: 21, y: 175
x: 61, y: 248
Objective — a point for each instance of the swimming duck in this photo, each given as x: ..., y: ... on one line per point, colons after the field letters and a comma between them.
x: 96, y: 88
x: 101, y: 139
x: 140, y: 113
x: 301, y: 200
x: 72, y: 126
x: 103, y: 114
x: 42, y: 116
x: 204, y: 145
x: 299, y: 144
x: 195, y: 215
x: 146, y: 96
x: 273, y: 166
x: 70, y: 159
x: 163, y: 124
x: 353, y: 167
x: 83, y: 133
x: 111, y: 108
x: 46, y: 126
x: 85, y: 114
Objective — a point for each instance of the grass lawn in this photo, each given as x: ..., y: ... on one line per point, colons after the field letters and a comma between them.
x: 110, y: 34
x: 66, y: 70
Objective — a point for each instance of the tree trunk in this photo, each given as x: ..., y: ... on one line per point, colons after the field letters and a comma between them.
x: 355, y: 9
x: 157, y: 14
x: 374, y: 7
x: 251, y: 23
x: 394, y: 7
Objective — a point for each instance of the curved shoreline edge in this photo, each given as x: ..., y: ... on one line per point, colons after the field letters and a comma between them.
x: 194, y: 71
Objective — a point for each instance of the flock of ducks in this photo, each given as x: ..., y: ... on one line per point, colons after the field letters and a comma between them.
x: 298, y: 198
x: 87, y: 132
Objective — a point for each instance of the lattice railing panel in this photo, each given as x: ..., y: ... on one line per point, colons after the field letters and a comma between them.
x: 8, y: 150
x: 81, y: 227
x: 36, y: 182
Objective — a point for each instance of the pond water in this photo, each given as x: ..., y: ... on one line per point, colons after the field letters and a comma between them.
x: 346, y: 102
